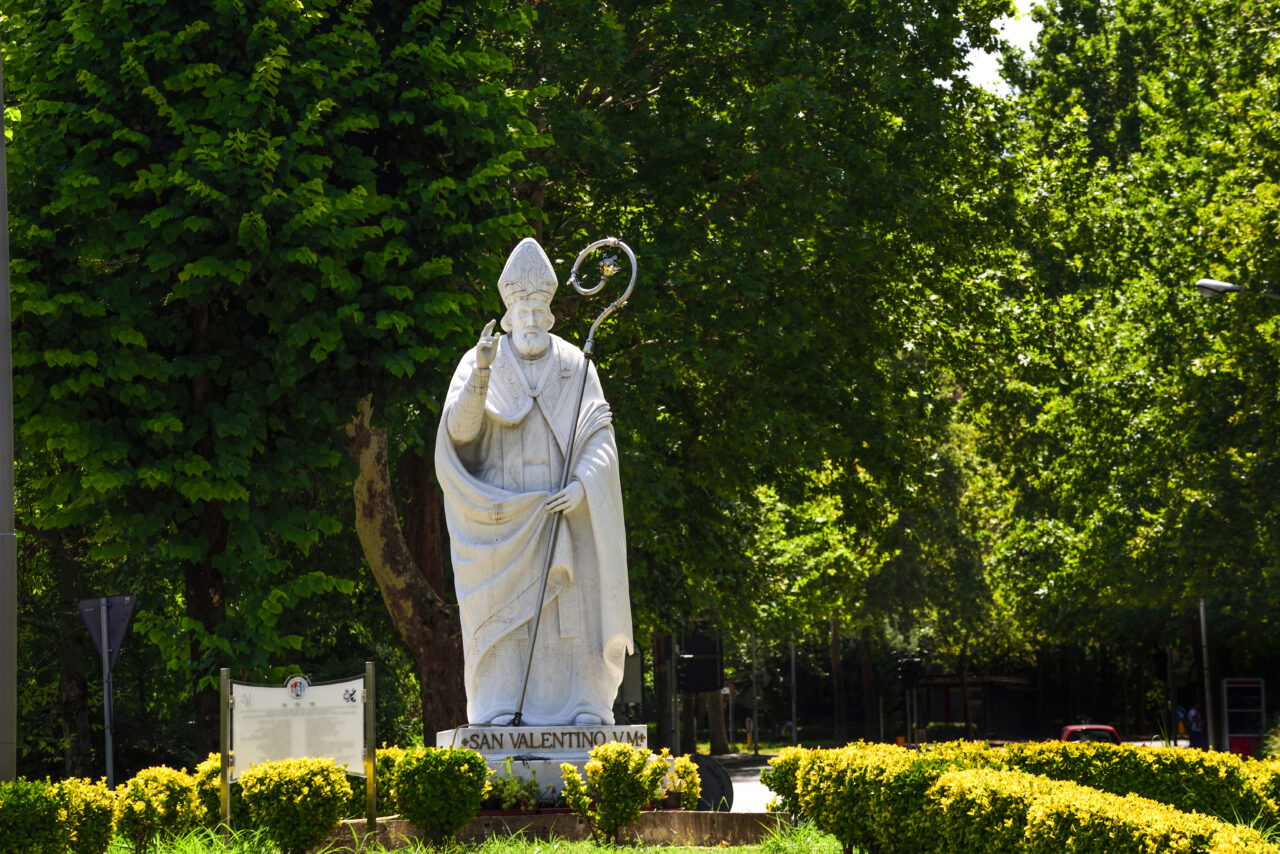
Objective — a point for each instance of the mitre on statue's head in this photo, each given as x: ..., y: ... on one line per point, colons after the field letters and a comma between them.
x: 527, y: 275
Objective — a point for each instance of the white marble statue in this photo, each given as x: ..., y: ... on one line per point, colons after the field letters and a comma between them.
x: 500, y: 455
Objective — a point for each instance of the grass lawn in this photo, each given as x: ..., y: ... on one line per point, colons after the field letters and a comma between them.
x: 798, y: 840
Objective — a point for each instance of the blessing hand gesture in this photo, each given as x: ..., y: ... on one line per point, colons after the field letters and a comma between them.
x: 487, y: 347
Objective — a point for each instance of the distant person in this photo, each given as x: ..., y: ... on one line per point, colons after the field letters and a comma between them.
x: 1195, y: 722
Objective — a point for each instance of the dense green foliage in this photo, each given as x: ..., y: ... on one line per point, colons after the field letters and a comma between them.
x: 157, y: 803
x: 965, y: 796
x: 621, y: 781
x: 909, y: 362
x: 88, y: 815
x: 29, y: 818
x: 439, y: 789
x: 296, y: 802
x: 1005, y: 811
x: 1217, y: 784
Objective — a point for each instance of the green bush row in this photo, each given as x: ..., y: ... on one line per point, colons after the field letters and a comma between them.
x: 1012, y: 811
x: 887, y: 798
x: 40, y: 817
x: 297, y: 803
x: 1211, y: 782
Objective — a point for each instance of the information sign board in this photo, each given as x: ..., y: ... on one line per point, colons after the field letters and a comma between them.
x: 296, y: 721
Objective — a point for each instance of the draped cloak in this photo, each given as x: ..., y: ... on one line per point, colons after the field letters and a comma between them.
x: 495, y: 488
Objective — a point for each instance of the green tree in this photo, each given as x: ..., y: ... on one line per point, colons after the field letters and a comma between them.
x: 230, y: 226
x: 1131, y: 419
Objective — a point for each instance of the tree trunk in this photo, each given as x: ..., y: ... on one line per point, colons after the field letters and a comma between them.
x: 689, y: 723
x: 73, y: 686
x: 870, y: 696
x: 715, y: 719
x: 207, y: 606
x: 839, y: 714
x: 964, y: 689
x: 426, y: 622
x: 660, y: 677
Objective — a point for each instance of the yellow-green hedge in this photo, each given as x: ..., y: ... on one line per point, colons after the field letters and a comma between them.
x: 998, y: 811
x: 887, y: 798
x: 1215, y: 783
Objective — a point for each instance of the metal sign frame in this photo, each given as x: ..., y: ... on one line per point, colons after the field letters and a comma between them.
x: 369, y: 701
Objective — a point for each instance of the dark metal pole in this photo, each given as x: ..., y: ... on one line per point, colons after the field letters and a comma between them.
x: 107, y: 722
x: 224, y: 744
x: 795, y: 720
x: 8, y: 538
x: 370, y: 754
x: 755, y: 697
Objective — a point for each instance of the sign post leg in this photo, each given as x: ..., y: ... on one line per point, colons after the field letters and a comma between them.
x: 224, y: 743
x: 108, y: 748
x: 370, y: 753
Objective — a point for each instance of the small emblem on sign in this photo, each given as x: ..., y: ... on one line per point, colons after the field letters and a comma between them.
x: 349, y: 696
x: 297, y: 686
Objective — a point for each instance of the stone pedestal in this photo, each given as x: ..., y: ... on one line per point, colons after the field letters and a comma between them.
x: 539, y: 750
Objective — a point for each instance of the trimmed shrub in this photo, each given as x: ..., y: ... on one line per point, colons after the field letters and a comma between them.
x: 385, y: 759
x: 208, y: 777
x: 30, y: 818
x: 1011, y: 811
x: 684, y: 780
x: 295, y: 802
x: 621, y: 780
x: 780, y: 778
x: 439, y: 789
x: 1215, y: 783
x: 158, y: 803
x: 89, y: 814
x: 870, y: 795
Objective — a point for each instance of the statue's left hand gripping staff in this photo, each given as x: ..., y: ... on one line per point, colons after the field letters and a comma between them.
x: 609, y: 267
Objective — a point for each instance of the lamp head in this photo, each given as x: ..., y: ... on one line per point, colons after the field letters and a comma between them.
x: 1209, y: 288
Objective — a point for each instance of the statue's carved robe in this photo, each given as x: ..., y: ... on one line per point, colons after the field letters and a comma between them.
x: 495, y: 489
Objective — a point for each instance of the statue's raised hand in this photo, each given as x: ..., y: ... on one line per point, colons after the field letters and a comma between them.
x: 487, y: 347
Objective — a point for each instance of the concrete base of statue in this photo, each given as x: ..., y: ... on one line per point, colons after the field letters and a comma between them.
x: 537, y: 751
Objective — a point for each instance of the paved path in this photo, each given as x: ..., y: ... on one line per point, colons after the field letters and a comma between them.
x: 749, y: 794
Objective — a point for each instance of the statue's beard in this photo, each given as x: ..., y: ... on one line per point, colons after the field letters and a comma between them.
x: 531, y: 347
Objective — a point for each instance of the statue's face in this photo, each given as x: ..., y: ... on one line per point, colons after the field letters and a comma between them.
x: 530, y: 322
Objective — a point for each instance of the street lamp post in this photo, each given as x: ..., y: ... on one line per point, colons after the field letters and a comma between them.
x: 1210, y: 288
x: 8, y: 539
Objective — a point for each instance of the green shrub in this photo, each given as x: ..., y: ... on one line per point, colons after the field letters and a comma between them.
x: 870, y: 795
x: 208, y: 777
x: 89, y: 814
x: 510, y: 791
x: 30, y: 818
x: 780, y: 778
x: 1011, y: 811
x: 295, y: 802
x: 384, y: 763
x: 621, y: 780
x: 683, y: 779
x: 439, y: 789
x: 1215, y: 783
x: 158, y: 803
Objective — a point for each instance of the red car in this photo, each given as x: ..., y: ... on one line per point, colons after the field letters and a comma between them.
x: 1090, y: 732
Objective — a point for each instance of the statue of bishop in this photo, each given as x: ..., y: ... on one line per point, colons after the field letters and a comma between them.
x: 501, y: 448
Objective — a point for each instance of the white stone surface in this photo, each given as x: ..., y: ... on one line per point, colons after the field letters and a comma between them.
x: 538, y: 751
x: 500, y: 454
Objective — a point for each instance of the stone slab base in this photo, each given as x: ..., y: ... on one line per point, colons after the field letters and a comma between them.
x: 537, y: 751
x: 658, y: 827
x: 547, y: 741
